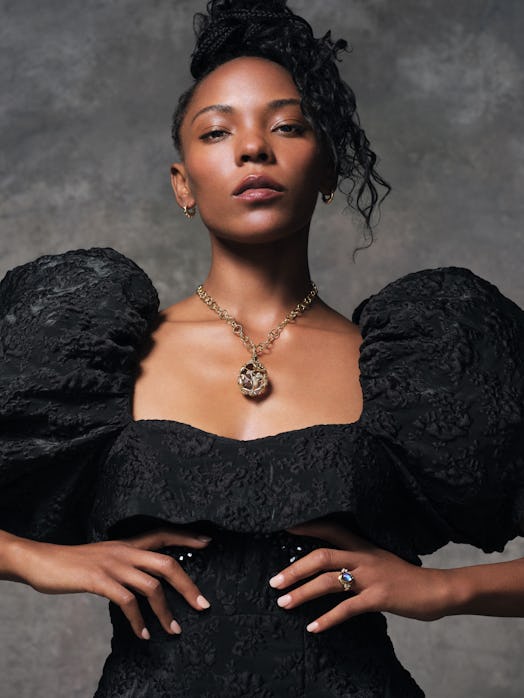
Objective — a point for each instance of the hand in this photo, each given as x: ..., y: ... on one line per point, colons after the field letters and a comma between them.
x: 383, y: 581
x: 109, y: 567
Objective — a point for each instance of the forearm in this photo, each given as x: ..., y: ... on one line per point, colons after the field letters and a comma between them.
x: 10, y: 551
x: 487, y: 590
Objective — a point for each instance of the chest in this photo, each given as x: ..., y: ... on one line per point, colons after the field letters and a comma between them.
x: 190, y: 375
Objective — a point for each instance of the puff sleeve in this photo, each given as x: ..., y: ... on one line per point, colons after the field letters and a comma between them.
x: 442, y: 369
x: 71, y: 325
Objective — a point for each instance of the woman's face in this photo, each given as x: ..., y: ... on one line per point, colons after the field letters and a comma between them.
x: 250, y: 134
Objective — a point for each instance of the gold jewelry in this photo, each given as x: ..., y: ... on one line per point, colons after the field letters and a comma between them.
x: 190, y: 211
x: 253, y: 378
x: 327, y: 199
x: 346, y: 579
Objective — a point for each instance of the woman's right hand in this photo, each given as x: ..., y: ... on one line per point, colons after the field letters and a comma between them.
x: 107, y: 568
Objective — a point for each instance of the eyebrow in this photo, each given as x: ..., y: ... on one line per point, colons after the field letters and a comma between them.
x: 228, y: 109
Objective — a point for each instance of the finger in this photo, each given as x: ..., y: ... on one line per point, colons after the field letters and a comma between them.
x: 333, y: 533
x: 327, y: 583
x: 128, y: 604
x: 319, y: 560
x: 355, y: 605
x: 151, y: 588
x: 168, y: 568
x: 162, y: 538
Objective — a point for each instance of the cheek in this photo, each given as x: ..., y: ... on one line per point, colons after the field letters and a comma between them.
x: 306, y: 170
x: 212, y: 179
x: 208, y: 173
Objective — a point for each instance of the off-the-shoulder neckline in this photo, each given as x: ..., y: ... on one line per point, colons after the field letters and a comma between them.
x: 340, y: 426
x: 173, y: 423
x: 300, y: 431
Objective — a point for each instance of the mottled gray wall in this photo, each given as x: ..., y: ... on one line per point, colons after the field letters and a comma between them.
x: 87, y: 94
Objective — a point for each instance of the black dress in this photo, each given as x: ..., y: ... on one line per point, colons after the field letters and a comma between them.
x: 436, y: 456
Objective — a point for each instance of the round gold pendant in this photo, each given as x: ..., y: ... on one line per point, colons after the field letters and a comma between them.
x: 253, y: 379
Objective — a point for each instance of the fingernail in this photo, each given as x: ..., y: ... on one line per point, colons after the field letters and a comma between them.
x: 284, y: 600
x: 145, y: 634
x: 175, y: 627
x: 312, y: 626
x: 203, y: 602
x: 204, y: 539
x: 276, y: 580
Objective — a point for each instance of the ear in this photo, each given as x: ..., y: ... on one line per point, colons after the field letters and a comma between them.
x: 328, y: 185
x: 181, y: 188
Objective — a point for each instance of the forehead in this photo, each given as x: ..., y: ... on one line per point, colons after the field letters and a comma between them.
x: 247, y: 79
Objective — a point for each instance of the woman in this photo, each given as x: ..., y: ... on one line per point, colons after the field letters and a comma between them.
x: 321, y: 462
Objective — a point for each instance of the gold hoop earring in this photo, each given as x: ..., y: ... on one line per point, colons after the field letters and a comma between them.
x: 327, y: 199
x: 190, y: 211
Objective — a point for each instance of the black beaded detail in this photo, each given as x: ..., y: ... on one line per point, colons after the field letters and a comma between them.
x: 284, y: 547
x: 298, y: 552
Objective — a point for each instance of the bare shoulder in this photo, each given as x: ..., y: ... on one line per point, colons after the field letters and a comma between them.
x: 320, y: 318
x: 332, y: 320
x: 185, y: 310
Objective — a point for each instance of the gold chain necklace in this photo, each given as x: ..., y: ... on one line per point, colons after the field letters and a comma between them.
x: 253, y: 378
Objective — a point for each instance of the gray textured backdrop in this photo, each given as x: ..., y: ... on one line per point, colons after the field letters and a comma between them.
x: 87, y: 94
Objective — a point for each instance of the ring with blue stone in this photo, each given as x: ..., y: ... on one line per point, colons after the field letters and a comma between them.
x: 346, y: 579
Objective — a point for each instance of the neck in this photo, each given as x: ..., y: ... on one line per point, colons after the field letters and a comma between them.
x: 258, y: 284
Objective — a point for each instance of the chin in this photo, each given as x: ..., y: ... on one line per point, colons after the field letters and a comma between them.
x: 253, y: 236
x: 256, y: 228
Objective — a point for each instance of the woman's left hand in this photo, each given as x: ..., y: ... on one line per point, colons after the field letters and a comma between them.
x: 382, y: 580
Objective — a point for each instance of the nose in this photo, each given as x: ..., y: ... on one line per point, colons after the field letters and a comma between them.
x: 253, y: 147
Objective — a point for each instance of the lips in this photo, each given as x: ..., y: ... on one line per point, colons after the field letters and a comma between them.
x: 257, y: 182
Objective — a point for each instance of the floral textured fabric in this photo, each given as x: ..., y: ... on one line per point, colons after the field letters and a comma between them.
x: 436, y: 456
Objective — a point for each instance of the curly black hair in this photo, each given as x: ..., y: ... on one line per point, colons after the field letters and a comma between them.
x: 269, y: 29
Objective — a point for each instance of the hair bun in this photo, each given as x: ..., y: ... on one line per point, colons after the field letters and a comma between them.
x: 217, y: 8
x: 231, y: 23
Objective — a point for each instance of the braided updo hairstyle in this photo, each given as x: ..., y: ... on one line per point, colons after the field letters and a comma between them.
x: 269, y: 29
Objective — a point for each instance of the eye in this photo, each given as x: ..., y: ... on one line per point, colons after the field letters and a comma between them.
x: 212, y: 135
x: 295, y: 128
